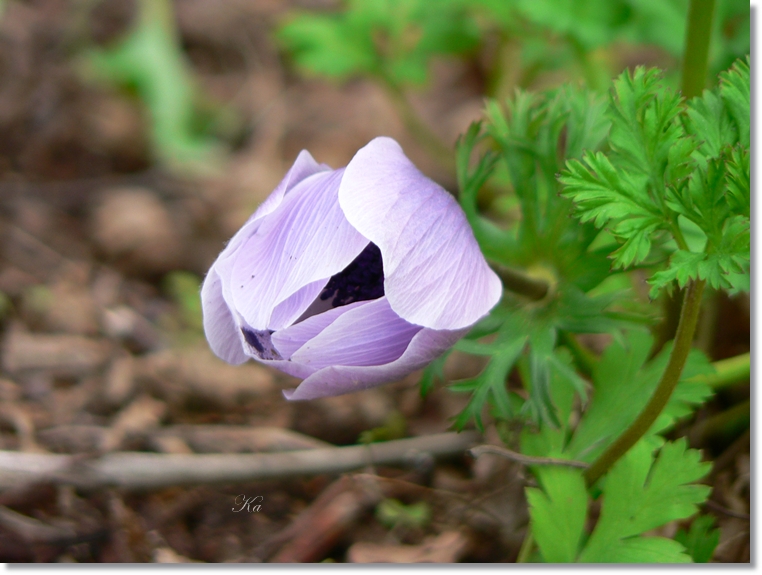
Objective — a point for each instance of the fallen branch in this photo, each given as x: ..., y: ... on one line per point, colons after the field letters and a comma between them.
x: 134, y: 470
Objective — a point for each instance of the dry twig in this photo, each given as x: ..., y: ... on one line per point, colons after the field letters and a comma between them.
x: 135, y: 470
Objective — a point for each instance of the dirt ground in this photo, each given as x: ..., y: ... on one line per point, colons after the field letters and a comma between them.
x: 102, y: 353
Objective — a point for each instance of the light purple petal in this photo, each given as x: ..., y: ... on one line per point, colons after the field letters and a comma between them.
x: 371, y: 334
x: 219, y: 326
x: 304, y: 167
x: 306, y: 239
x: 290, y: 339
x: 434, y: 273
x: 426, y: 345
x: 290, y: 309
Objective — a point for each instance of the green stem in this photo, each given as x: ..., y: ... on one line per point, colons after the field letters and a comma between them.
x: 697, y: 37
x: 522, y: 284
x: 728, y: 372
x: 683, y: 341
x: 526, y: 547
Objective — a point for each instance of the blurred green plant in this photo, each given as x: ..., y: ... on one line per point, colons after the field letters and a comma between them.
x: 394, y: 427
x: 393, y: 514
x: 183, y: 288
x: 393, y: 42
x: 150, y: 63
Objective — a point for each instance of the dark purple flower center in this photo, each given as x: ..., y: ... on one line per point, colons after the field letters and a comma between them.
x: 361, y: 280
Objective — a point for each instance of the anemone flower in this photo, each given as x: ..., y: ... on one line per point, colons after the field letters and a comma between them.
x: 348, y: 278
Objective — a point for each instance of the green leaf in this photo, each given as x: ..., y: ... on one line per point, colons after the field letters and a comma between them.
x: 627, y: 187
x: 623, y: 383
x: 709, y: 121
x: 150, y: 61
x: 726, y: 267
x: 535, y: 134
x: 551, y: 439
x: 321, y: 45
x: 641, y: 550
x: 557, y: 512
x: 702, y: 539
x: 490, y: 385
x: 434, y: 372
x: 592, y: 23
x: 735, y: 88
x: 389, y: 39
x: 641, y: 494
x: 658, y: 22
x: 739, y: 182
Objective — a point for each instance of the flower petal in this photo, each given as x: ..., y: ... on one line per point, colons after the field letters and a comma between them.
x: 290, y: 309
x: 219, y: 325
x: 306, y: 239
x: 290, y: 339
x: 371, y: 334
x: 304, y: 167
x: 426, y: 345
x: 434, y: 273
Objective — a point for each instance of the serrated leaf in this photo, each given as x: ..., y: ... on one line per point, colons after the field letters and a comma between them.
x: 490, y: 384
x: 709, y: 122
x: 641, y: 494
x: 739, y: 181
x: 645, y: 122
x: 623, y: 382
x: 643, y: 550
x: 558, y: 512
x: 735, y: 88
x: 726, y: 267
x: 434, y: 372
x: 701, y: 540
x: 550, y: 439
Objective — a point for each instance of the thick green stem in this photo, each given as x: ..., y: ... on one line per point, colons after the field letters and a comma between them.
x: 683, y: 341
x: 522, y: 284
x: 695, y: 61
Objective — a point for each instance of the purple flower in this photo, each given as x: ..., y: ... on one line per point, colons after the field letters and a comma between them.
x: 348, y: 278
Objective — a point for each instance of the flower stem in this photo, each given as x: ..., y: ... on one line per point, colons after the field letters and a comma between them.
x: 522, y: 284
x: 695, y: 61
x: 683, y: 341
